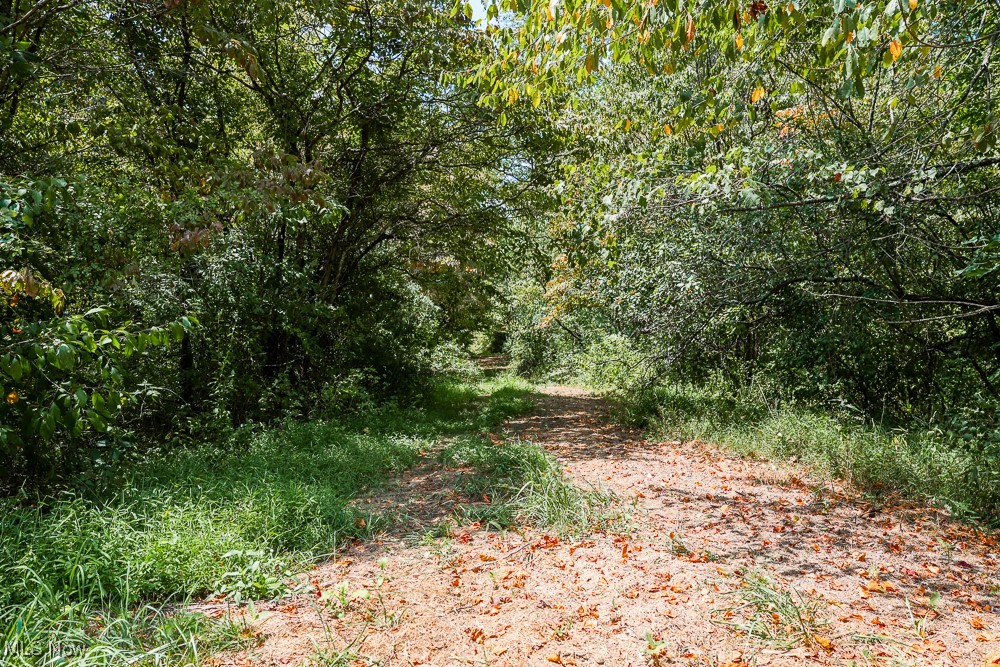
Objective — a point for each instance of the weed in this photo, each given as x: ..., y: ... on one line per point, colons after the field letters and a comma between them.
x: 948, y: 548
x: 326, y: 655
x: 919, y: 623
x: 655, y: 649
x: 564, y: 630
x: 233, y: 632
x: 341, y: 599
x: 442, y: 530
x: 771, y: 613
x: 523, y: 484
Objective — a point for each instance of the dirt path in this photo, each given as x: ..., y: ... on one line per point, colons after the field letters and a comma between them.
x: 687, y: 584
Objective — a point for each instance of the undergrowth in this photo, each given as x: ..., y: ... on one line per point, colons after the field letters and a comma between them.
x: 103, y: 578
x: 930, y: 463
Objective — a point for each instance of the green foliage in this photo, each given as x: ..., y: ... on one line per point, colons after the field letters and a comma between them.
x: 847, y: 48
x: 62, y: 379
x: 102, y: 579
x: 300, y: 179
x: 798, y: 197
x: 802, y: 190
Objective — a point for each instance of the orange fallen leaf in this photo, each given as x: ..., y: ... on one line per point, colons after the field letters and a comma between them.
x: 823, y: 641
x: 874, y: 585
x: 935, y: 645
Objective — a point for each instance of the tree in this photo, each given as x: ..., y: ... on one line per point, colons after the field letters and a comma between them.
x: 805, y: 189
x: 273, y: 175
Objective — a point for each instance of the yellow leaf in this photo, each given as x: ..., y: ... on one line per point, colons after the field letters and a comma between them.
x: 12, y: 397
x: 896, y: 49
x: 739, y: 42
x: 689, y: 33
x: 758, y: 93
x: 913, y: 4
x: 667, y: 130
x: 823, y: 641
x: 512, y: 95
x: 628, y: 125
x: 549, y: 13
x: 937, y: 72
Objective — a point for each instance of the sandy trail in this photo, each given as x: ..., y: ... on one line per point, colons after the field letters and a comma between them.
x: 890, y: 586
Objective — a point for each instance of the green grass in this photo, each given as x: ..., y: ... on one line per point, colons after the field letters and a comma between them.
x: 922, y: 464
x: 525, y: 486
x: 103, y: 579
x: 771, y: 612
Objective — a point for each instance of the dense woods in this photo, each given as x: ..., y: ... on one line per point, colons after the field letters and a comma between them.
x: 227, y: 226
x: 213, y: 216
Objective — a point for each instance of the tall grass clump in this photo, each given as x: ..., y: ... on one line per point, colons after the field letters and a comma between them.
x: 102, y: 578
x: 522, y: 484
